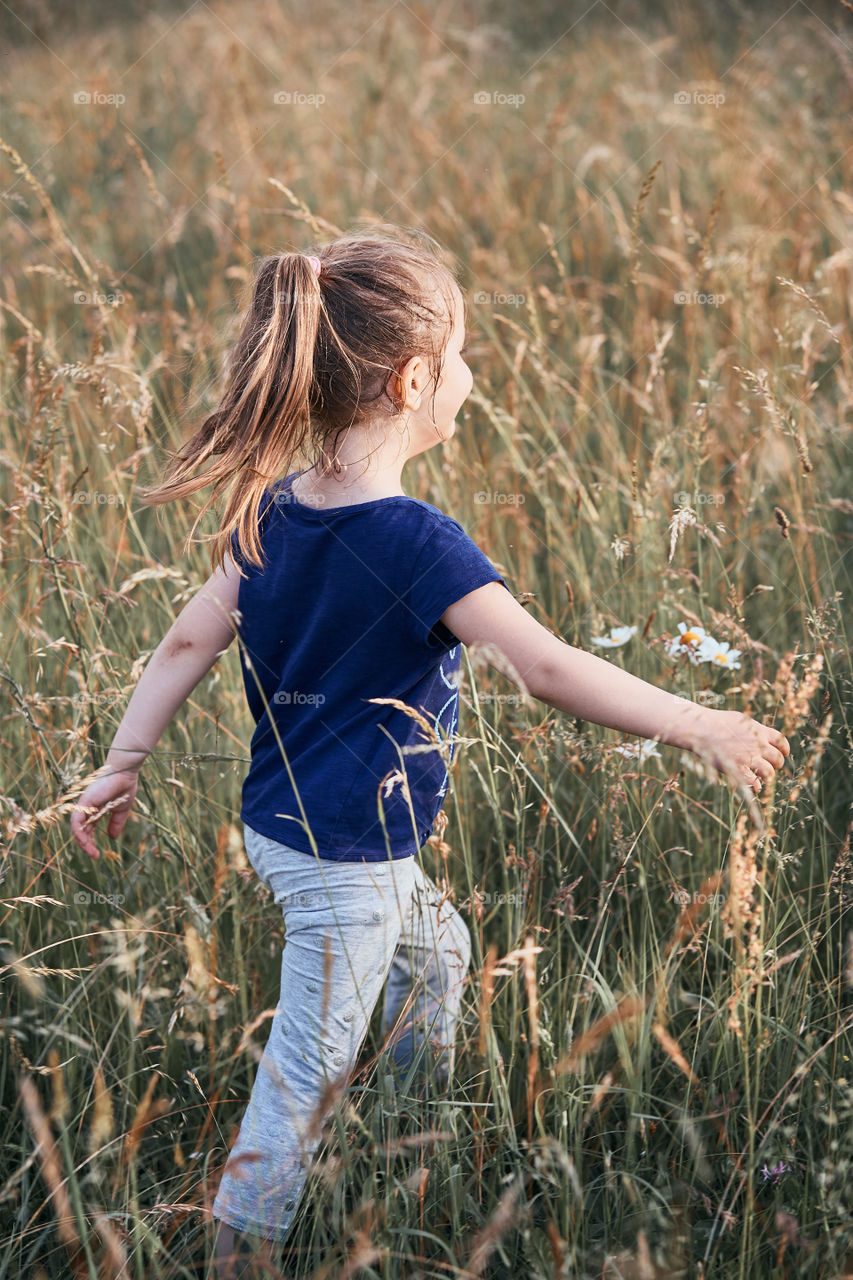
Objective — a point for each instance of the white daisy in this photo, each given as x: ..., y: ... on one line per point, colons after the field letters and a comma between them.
x: 689, y: 641
x: 719, y: 653
x: 618, y: 636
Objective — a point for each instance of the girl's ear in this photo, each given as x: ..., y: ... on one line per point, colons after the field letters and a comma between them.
x: 415, y: 370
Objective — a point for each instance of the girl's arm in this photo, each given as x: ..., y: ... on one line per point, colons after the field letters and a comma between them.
x: 585, y: 685
x: 202, y: 631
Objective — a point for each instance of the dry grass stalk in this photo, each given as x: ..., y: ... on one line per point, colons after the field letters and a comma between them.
x: 796, y: 695
x: 627, y: 1008
x: 741, y: 915
x: 51, y: 1168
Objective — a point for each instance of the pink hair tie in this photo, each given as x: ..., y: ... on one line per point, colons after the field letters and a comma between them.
x: 315, y: 264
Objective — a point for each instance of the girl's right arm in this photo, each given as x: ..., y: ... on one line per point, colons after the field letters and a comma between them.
x: 594, y: 689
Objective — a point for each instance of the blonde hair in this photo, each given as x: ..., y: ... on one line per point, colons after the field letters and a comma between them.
x: 313, y: 357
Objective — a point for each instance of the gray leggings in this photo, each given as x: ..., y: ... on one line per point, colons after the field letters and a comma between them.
x: 349, y: 926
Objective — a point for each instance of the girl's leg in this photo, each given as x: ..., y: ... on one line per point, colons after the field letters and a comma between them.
x: 342, y: 924
x: 236, y: 1252
x: 426, y: 977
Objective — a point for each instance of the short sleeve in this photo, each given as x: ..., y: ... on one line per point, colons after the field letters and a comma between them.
x: 448, y: 567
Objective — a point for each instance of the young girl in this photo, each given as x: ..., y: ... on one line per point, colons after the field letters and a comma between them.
x: 351, y: 600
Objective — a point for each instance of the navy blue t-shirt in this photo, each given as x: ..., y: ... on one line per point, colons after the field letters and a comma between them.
x: 347, y: 608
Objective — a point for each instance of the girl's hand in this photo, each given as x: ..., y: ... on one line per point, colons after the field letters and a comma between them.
x: 113, y: 793
x: 743, y: 749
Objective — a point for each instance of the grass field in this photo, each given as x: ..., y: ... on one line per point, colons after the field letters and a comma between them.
x: 654, y: 213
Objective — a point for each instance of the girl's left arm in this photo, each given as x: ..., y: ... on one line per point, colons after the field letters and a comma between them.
x: 200, y: 634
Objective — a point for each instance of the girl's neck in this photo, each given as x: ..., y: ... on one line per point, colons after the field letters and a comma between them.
x: 327, y: 491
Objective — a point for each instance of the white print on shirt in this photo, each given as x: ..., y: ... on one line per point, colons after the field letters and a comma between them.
x: 452, y: 682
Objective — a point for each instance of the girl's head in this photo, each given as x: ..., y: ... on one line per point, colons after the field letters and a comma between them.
x: 368, y: 351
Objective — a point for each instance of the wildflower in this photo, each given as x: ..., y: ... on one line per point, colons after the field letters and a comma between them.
x: 619, y: 546
x: 719, y: 653
x: 775, y: 1171
x: 639, y: 750
x: 618, y: 636
x: 689, y: 641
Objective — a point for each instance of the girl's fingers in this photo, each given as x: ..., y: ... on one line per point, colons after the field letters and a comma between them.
x: 82, y: 826
x: 750, y: 781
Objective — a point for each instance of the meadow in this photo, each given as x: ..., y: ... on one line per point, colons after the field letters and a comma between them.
x: 654, y: 217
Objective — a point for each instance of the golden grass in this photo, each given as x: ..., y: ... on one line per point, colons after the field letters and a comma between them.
x: 655, y: 1068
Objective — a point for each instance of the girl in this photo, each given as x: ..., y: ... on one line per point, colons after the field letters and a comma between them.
x: 351, y: 600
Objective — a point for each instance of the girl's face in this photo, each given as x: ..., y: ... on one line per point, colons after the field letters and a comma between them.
x: 453, y: 389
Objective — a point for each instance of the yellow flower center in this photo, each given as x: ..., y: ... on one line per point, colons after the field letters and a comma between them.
x: 689, y: 637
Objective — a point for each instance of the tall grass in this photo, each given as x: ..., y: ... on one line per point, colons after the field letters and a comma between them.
x: 654, y: 1074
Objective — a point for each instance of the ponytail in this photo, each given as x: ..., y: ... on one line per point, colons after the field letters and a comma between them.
x: 264, y: 415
